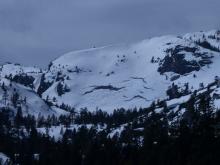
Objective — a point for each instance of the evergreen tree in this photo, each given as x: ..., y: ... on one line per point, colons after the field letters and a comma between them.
x: 14, y: 99
x: 18, y: 117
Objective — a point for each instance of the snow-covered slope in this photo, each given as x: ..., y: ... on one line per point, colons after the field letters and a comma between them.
x: 19, y: 81
x: 4, y: 160
x: 14, y: 95
x: 132, y: 75
x: 28, y: 76
x: 16, y: 69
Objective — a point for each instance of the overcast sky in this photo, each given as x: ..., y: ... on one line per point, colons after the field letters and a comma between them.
x: 33, y: 32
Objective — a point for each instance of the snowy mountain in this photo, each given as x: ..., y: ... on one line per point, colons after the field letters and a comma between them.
x: 126, y: 75
x: 132, y: 75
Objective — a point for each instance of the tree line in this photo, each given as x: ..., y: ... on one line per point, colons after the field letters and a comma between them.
x: 191, y: 139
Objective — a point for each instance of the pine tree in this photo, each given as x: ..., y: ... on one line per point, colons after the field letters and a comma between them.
x: 5, y: 97
x: 3, y: 86
x: 14, y: 99
x: 19, y: 118
x: 60, y: 90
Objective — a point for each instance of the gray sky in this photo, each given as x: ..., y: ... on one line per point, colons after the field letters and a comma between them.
x: 33, y: 32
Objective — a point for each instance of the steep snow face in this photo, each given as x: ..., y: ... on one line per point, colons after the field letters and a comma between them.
x: 110, y: 77
x: 133, y: 75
